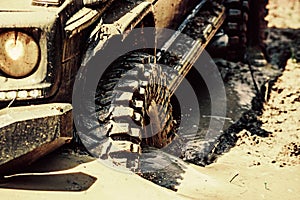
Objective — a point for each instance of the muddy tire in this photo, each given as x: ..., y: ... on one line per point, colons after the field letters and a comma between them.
x: 237, y: 12
x: 133, y: 110
x: 257, y: 23
x: 245, y: 25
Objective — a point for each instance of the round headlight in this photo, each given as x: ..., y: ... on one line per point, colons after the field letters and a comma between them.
x: 19, y: 53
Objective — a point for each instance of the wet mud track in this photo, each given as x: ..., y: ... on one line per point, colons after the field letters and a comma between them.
x: 245, y: 96
x: 244, y: 108
x: 247, y: 89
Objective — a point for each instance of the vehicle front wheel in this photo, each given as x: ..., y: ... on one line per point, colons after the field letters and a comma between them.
x: 133, y: 111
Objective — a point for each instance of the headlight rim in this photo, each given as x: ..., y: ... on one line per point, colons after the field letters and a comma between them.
x: 34, y: 35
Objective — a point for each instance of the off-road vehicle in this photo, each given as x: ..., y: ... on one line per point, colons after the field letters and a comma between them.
x: 43, y: 44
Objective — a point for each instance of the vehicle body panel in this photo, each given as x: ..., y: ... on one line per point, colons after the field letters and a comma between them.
x: 61, y: 31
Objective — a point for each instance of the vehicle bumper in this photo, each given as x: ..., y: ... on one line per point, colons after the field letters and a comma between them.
x: 29, y: 132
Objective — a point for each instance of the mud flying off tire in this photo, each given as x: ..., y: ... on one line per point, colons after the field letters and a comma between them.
x: 133, y: 110
x: 245, y: 25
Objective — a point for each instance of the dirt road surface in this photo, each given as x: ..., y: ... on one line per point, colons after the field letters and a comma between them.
x: 256, y: 168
